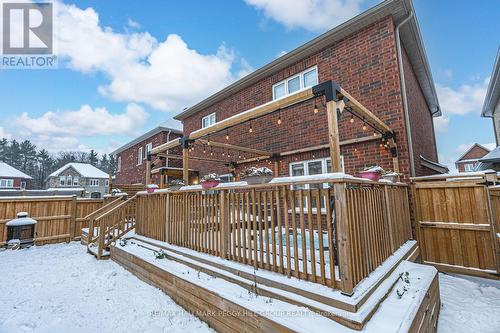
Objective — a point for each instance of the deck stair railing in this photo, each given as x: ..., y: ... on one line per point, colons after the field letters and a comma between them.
x: 107, y: 227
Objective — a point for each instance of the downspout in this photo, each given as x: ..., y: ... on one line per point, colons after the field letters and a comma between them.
x: 403, y: 94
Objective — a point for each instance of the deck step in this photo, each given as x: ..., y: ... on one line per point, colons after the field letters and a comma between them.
x: 273, y: 280
x: 349, y: 314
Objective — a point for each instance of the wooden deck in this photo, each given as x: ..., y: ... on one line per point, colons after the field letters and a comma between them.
x: 227, y: 316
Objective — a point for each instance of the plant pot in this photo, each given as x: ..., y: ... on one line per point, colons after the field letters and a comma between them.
x: 150, y: 190
x: 371, y: 175
x: 392, y: 177
x: 255, y: 180
x: 209, y: 184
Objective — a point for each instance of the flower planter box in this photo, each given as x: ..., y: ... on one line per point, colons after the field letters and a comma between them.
x: 209, y: 184
x: 371, y: 175
x: 255, y: 180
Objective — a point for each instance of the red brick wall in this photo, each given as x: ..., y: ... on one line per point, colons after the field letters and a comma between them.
x: 364, y: 64
x: 130, y: 172
x: 421, y: 122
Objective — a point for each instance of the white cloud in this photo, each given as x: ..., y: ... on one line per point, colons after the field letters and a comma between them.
x: 168, y: 74
x: 314, y: 15
x: 85, y: 122
x: 465, y: 99
x: 133, y: 24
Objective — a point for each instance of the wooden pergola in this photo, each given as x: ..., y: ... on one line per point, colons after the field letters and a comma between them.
x: 337, y: 101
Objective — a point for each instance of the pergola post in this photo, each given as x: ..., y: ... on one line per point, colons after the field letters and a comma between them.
x: 185, y: 165
x: 148, y: 170
x: 333, y: 132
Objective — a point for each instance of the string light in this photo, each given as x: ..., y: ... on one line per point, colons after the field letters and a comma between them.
x: 364, y: 126
x: 315, y: 108
x: 227, y: 135
x: 223, y: 153
x: 211, y: 152
x: 250, y: 130
x: 352, y: 119
x: 204, y: 150
x: 228, y: 154
x: 239, y: 156
x: 374, y: 133
x: 208, y: 141
x: 279, y: 119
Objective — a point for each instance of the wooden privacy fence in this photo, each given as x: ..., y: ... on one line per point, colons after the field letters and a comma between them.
x: 60, y: 218
x: 457, y: 224
x: 332, y: 235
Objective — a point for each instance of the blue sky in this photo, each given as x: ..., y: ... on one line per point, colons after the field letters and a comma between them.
x: 104, y: 92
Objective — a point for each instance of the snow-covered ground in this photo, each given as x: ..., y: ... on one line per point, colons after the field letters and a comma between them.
x: 469, y: 304
x: 60, y: 288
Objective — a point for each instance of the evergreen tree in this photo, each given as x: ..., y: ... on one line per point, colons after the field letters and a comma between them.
x: 93, y: 158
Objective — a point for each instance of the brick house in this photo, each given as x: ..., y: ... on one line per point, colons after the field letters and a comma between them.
x: 470, y: 159
x: 13, y: 179
x: 131, y: 157
x: 79, y: 177
x: 384, y: 67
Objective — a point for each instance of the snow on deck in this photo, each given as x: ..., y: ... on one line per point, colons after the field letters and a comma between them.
x: 61, y: 288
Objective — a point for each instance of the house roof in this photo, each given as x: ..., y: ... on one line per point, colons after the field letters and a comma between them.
x: 145, y: 136
x: 9, y: 171
x: 468, y: 151
x: 84, y: 169
x: 493, y: 92
x: 410, y: 38
x: 492, y: 156
x: 438, y: 167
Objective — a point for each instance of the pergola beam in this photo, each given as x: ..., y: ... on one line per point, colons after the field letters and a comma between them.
x: 166, y: 146
x: 254, y: 113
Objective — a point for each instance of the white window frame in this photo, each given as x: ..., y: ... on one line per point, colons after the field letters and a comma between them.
x: 69, y: 180
x: 106, y: 182
x: 148, y: 149
x: 23, y: 185
x: 6, y: 183
x: 302, y: 82
x: 62, y: 180
x: 93, y: 182
x: 119, y: 162
x: 305, y: 164
x: 76, y: 181
x: 211, y: 120
x: 139, y: 155
x: 469, y: 167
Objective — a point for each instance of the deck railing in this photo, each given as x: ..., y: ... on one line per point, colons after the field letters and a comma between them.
x: 111, y: 224
x: 334, y: 232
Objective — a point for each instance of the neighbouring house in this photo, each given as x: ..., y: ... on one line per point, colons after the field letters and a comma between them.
x: 79, y: 177
x: 13, y: 179
x: 491, y: 106
x: 378, y: 57
x: 131, y: 157
x: 470, y: 159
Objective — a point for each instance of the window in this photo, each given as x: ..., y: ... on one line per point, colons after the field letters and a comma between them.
x: 106, y: 182
x: 312, y: 167
x: 208, y: 120
x: 139, y: 156
x: 119, y: 167
x: 23, y: 185
x: 307, y: 78
x: 62, y: 180
x: 76, y: 181
x: 149, y: 147
x: 93, y: 182
x: 469, y: 167
x: 6, y: 182
x: 69, y: 180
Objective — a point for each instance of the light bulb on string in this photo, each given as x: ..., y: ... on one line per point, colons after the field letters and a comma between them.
x: 364, y: 126
x: 374, y: 133
x: 227, y: 135
x: 316, y: 109
x: 352, y: 119
x: 250, y: 130
x: 279, y: 120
